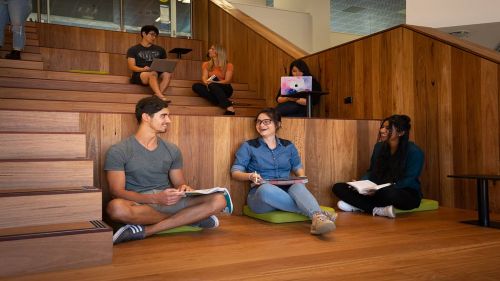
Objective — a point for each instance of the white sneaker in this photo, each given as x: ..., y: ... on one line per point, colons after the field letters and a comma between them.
x: 347, y: 207
x: 387, y: 211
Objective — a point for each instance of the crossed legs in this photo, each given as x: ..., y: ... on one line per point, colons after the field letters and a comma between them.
x: 197, y: 208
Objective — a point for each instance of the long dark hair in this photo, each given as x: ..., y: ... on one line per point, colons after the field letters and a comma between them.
x: 391, y: 167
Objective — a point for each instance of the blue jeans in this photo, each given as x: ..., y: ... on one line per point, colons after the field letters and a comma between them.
x: 296, y: 199
x: 15, y: 12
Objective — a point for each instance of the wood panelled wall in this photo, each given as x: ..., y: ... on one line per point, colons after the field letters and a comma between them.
x: 68, y: 47
x: 331, y: 150
x: 451, y: 94
x: 255, y: 54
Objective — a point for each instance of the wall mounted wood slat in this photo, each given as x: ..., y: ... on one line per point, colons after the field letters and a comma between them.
x: 449, y: 89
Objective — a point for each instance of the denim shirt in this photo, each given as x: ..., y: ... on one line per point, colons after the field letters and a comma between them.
x: 255, y: 156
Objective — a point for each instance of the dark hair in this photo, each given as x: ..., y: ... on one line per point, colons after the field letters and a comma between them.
x: 150, y: 106
x: 301, y: 65
x: 273, y: 114
x: 148, y: 28
x: 391, y: 167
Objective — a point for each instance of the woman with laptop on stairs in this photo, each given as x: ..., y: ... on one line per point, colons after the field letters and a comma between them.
x: 297, y: 107
x: 216, y: 77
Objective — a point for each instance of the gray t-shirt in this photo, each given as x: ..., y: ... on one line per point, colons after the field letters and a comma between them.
x: 144, y: 170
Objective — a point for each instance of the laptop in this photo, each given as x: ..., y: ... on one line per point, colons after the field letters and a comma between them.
x: 163, y: 65
x: 295, y: 84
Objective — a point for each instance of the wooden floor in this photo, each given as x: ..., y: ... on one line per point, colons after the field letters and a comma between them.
x: 420, y: 246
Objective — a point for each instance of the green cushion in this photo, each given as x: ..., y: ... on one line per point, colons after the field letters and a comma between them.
x: 425, y: 205
x: 180, y: 229
x: 89, y: 71
x: 280, y: 216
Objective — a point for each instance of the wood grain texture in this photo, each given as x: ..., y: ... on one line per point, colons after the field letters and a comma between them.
x: 209, y: 143
x: 21, y: 257
x: 418, y: 246
x: 41, y: 209
x: 26, y: 121
x: 45, y: 174
x: 42, y: 146
x: 449, y: 89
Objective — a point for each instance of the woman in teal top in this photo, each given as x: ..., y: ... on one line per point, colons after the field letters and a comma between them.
x: 395, y: 160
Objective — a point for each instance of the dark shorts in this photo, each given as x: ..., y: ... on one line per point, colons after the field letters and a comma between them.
x: 136, y: 78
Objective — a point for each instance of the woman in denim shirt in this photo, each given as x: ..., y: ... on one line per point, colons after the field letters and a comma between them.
x: 269, y: 157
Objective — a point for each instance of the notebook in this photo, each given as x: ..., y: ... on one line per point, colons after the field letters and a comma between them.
x: 295, y: 84
x: 163, y: 65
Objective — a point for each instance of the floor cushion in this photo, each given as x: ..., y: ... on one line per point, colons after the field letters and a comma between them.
x: 280, y: 216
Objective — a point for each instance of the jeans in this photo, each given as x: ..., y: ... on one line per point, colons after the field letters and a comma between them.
x: 15, y: 12
x: 296, y: 199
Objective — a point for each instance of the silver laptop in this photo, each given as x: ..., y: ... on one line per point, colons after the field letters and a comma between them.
x: 163, y: 65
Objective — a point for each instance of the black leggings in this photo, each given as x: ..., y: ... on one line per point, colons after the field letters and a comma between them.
x: 400, y: 198
x: 216, y: 93
x: 292, y: 109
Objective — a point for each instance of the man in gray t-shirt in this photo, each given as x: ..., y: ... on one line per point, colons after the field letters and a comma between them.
x: 145, y: 178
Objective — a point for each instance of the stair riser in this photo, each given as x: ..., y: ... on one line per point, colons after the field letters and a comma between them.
x: 31, y: 210
x: 42, y: 146
x: 29, y: 121
x: 45, y: 175
x: 55, y: 253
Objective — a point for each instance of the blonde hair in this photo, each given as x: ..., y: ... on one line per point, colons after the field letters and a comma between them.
x: 221, y: 58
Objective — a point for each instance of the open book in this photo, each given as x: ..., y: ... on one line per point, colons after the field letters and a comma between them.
x: 198, y: 192
x: 366, y: 186
x: 286, y: 181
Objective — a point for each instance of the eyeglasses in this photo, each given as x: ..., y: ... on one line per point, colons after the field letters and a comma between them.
x: 266, y: 122
x: 153, y: 34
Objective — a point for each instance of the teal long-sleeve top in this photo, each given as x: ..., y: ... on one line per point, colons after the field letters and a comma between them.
x: 414, y: 165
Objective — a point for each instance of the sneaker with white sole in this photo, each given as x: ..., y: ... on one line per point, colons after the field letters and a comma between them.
x: 129, y: 232
x: 208, y: 223
x: 387, y: 211
x: 347, y: 207
x: 321, y: 224
x: 229, y: 203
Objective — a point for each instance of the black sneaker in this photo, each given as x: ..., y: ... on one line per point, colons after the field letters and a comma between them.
x: 13, y: 55
x: 129, y: 232
x: 229, y: 112
x: 208, y: 223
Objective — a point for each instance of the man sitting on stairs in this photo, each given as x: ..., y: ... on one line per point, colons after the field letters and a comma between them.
x: 140, y: 57
x: 145, y: 178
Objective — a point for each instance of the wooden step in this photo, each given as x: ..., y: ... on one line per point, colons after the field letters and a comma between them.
x: 27, y: 49
x: 45, y: 174
x: 19, y: 209
x: 14, y: 145
x: 28, y: 250
x: 28, y: 42
x: 24, y: 64
x: 24, y: 56
x: 66, y: 106
x: 178, y: 96
x: 28, y: 28
x: 41, y: 121
x: 97, y: 78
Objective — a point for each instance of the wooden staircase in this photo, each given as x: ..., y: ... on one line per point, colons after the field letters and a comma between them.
x: 50, y: 214
x: 28, y: 85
